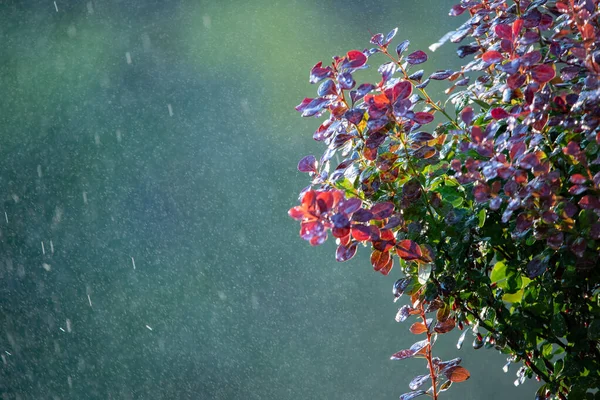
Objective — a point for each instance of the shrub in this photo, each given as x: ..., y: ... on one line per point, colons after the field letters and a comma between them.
x: 492, y: 215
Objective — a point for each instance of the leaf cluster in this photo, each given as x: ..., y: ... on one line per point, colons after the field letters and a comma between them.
x: 492, y: 215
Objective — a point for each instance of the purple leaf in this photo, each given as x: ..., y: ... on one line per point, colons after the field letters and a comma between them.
x: 382, y: 210
x: 310, y: 107
x: 423, y: 118
x: 543, y: 73
x: 326, y: 88
x: 377, y: 39
x: 467, y: 115
x: 401, y: 48
x: 418, y: 381
x: 412, y: 395
x: 456, y: 10
x: 362, y: 215
x: 441, y: 75
x: 318, y: 73
x: 308, y: 164
x: 344, y: 253
x: 362, y: 90
x: 417, y: 57
x: 354, y: 59
x: 351, y: 205
x: 390, y: 36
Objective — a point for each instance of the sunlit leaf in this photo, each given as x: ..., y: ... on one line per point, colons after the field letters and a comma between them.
x: 418, y: 381
x: 457, y: 374
x: 412, y: 395
x: 418, y: 328
x: 417, y: 57
x: 408, y: 250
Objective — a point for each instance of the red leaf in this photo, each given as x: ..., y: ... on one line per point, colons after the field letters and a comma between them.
x: 408, y: 250
x: 543, y: 73
x: 456, y: 10
x: 403, y: 354
x: 423, y: 118
x: 516, y: 27
x: 446, y: 326
x: 402, y: 90
x: 382, y: 210
x: 361, y: 232
x: 492, y: 57
x: 355, y: 59
x: 503, y: 31
x: 379, y: 259
x: 457, y: 374
x: 516, y: 80
x: 499, y: 113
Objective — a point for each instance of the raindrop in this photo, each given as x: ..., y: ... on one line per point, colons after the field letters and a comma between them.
x: 39, y: 171
x: 43, y: 249
x: 133, y: 262
x: 90, y: 8
x: 128, y: 57
x: 46, y: 266
x: 69, y: 328
x: 206, y: 21
x: 85, y: 198
x: 170, y: 109
x: 55, y: 6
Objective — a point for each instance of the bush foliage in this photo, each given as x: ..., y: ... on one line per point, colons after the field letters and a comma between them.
x: 492, y: 216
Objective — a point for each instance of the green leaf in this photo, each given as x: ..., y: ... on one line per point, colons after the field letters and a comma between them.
x: 594, y: 330
x: 547, y: 350
x: 481, y: 215
x: 498, y: 275
x: 559, y: 325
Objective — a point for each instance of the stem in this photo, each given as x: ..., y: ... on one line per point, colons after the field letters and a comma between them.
x: 428, y: 355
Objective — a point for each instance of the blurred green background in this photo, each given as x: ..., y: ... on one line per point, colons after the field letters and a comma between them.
x: 147, y: 162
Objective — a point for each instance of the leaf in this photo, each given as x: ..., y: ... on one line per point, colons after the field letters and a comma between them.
x: 418, y: 381
x: 379, y: 259
x: 318, y: 73
x: 423, y: 118
x: 445, y: 386
x: 403, y: 354
x: 424, y: 273
x: 344, y: 253
x: 492, y: 57
x: 503, y: 31
x: 441, y: 75
x: 417, y: 57
x: 446, y: 326
x: 408, y: 250
x: 418, y: 328
x: 382, y: 210
x: 457, y: 374
x: 412, y: 395
x: 543, y: 73
x: 308, y: 164
x: 355, y: 59
x: 401, y: 48
x: 499, y: 113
